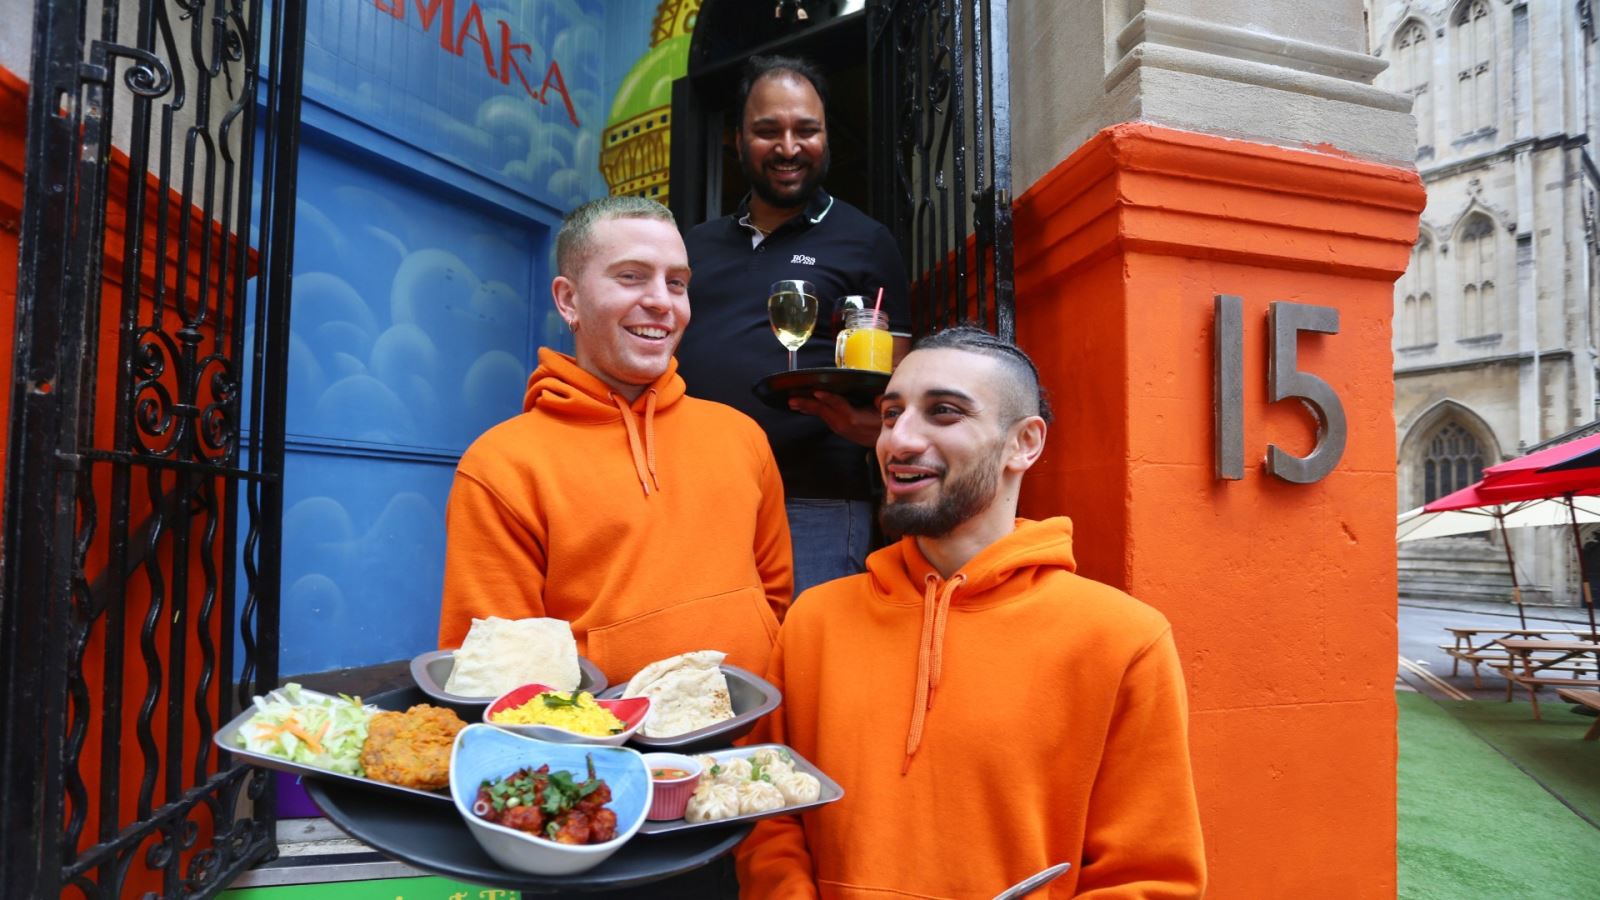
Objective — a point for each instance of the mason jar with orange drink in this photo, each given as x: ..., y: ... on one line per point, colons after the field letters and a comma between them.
x: 865, y: 342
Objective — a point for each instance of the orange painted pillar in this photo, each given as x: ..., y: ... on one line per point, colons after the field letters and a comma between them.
x: 1281, y: 595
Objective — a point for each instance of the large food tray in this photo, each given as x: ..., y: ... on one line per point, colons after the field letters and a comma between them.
x: 431, y: 671
x: 751, y: 697
x: 830, y: 793
x: 225, y: 740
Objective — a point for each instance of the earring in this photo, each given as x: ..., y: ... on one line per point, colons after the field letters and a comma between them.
x: 572, y: 324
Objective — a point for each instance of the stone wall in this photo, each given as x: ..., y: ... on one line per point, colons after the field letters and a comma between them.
x: 1511, y: 204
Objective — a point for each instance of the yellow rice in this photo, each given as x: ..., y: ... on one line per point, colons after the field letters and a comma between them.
x: 588, y: 717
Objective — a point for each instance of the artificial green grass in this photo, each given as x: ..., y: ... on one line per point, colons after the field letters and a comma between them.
x: 1472, y: 825
x: 1550, y: 749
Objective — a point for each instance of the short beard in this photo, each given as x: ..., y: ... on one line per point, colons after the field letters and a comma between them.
x: 763, y: 188
x: 962, y: 499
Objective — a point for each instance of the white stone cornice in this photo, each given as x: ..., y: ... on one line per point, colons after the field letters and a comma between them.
x: 1181, y: 44
x: 1170, y: 29
x: 1221, y: 67
x: 1243, y: 71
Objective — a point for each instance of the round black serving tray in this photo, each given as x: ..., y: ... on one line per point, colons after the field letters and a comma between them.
x: 860, y: 387
x: 432, y: 837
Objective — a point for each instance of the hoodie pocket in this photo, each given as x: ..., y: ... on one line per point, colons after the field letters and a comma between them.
x: 737, y: 622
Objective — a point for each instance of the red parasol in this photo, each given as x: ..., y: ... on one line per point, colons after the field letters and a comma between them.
x: 1570, y: 468
x: 1565, y: 470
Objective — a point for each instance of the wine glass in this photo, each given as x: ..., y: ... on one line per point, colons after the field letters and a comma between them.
x: 792, y: 308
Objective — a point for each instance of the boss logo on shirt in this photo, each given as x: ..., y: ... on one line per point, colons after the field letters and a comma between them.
x: 804, y: 260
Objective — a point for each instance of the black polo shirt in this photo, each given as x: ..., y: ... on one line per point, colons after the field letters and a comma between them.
x: 729, y: 344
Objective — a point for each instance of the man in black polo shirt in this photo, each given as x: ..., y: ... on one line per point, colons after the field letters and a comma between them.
x: 789, y: 227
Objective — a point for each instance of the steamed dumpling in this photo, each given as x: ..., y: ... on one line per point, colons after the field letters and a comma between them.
x: 797, y: 787
x: 711, y: 801
x: 758, y: 796
x: 771, y: 761
x: 733, y: 771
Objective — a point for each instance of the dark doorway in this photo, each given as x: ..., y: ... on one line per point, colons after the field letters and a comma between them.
x: 706, y: 180
x: 919, y: 125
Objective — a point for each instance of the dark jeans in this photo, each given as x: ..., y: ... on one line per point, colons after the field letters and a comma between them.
x: 830, y: 538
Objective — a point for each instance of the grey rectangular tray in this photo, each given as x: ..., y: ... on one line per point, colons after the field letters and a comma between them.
x: 225, y: 740
x: 831, y: 792
x: 431, y: 671
x: 751, y: 697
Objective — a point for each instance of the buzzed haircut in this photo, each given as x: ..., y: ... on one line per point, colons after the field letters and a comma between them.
x: 759, y: 67
x: 577, y: 229
x: 1025, y: 395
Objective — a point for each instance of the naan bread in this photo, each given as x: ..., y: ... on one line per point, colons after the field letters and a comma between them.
x: 698, y: 659
x: 687, y: 692
x: 501, y: 654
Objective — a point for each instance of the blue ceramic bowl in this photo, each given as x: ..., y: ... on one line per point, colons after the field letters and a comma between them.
x: 486, y: 753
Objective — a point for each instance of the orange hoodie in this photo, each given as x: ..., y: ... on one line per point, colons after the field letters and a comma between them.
x: 655, y: 527
x: 983, y: 728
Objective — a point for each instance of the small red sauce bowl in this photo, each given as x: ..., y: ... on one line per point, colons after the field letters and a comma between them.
x: 671, y: 795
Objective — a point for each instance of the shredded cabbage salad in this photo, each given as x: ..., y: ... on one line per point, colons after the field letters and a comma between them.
x: 326, y: 733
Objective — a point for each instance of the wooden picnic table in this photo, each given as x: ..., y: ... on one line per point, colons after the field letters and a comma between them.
x: 1467, y: 648
x: 1531, y: 656
x: 1590, y: 699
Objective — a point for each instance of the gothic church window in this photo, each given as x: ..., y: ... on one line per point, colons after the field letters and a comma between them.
x: 1413, y: 64
x: 1451, y: 461
x: 1476, y: 260
x: 1416, y: 322
x: 1474, y: 63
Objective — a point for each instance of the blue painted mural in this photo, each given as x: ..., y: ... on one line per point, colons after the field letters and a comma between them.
x: 443, y: 142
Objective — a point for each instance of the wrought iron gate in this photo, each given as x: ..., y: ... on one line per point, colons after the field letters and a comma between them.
x: 147, y: 415
x: 942, y: 154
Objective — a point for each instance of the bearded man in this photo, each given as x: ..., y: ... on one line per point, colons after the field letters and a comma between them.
x: 788, y: 227
x: 988, y: 712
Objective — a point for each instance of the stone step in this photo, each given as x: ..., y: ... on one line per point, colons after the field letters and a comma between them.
x: 1454, y: 569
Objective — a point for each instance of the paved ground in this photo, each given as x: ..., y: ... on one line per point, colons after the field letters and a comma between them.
x: 1422, y: 631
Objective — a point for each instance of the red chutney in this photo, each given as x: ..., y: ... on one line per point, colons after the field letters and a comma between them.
x: 556, y: 807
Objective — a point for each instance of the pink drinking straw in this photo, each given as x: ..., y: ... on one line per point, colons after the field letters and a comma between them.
x: 878, y: 302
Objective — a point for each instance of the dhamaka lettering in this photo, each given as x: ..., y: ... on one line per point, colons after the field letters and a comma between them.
x: 500, y: 66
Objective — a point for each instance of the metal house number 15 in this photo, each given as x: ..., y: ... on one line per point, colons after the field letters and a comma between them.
x: 1284, y: 381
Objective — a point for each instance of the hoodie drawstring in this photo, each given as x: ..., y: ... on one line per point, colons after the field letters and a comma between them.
x: 930, y: 656
x: 644, y: 458
x: 650, y: 437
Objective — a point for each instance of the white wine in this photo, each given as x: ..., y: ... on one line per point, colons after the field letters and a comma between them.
x: 793, y: 316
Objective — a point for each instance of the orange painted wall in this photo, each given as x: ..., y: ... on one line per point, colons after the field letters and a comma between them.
x: 1282, y: 596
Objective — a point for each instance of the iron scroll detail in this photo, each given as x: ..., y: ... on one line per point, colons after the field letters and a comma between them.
x: 942, y: 155
x: 148, y: 77
x: 143, y: 495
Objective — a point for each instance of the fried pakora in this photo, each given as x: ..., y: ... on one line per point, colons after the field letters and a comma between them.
x: 411, y: 749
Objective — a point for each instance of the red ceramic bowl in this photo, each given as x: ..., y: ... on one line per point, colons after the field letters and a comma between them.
x: 632, y: 712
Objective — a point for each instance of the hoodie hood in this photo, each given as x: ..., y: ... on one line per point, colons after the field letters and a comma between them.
x: 561, y: 388
x: 1003, y: 571
x: 899, y: 571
